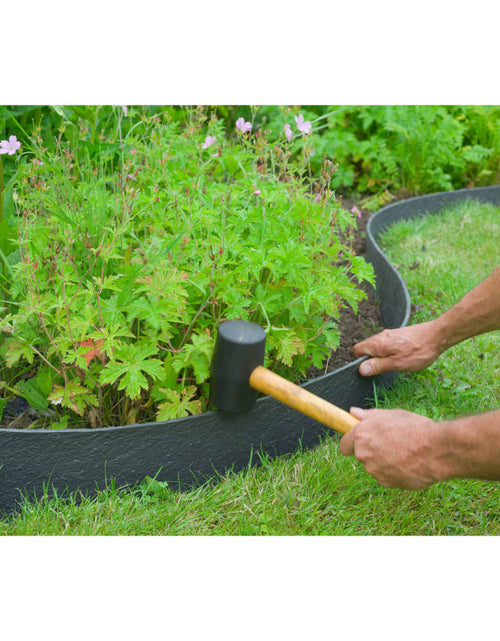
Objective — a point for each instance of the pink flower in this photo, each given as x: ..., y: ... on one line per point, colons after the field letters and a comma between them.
x: 304, y: 127
x: 209, y: 140
x: 37, y: 162
x: 9, y: 146
x: 125, y: 111
x: 318, y: 198
x: 355, y: 210
x: 288, y: 132
x: 257, y: 192
x: 243, y: 126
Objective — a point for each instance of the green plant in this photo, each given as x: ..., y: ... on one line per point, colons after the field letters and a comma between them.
x: 132, y: 253
x: 378, y: 150
x: 384, y: 149
x: 8, y: 231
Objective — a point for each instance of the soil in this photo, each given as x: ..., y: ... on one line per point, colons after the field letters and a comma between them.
x: 353, y: 329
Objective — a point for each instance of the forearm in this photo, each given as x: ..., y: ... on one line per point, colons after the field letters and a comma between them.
x: 469, y: 447
x: 476, y: 313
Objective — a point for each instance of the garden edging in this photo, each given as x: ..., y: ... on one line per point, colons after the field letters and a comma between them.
x: 190, y: 450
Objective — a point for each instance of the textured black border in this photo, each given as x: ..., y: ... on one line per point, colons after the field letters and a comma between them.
x: 187, y: 451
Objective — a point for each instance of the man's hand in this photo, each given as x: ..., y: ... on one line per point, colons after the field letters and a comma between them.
x: 398, y: 448
x: 408, y: 349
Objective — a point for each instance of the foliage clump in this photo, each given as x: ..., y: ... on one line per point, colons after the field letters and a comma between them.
x: 132, y: 249
x: 387, y: 151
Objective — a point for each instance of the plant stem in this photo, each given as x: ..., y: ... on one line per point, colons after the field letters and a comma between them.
x: 335, y: 111
x: 22, y: 340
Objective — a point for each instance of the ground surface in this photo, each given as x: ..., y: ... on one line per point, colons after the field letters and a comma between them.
x: 320, y: 492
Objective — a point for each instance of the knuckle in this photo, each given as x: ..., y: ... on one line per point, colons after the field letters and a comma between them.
x: 357, y: 432
x: 361, y: 439
x: 386, y: 334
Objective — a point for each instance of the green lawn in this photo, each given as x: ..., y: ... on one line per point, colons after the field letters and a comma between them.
x: 320, y: 491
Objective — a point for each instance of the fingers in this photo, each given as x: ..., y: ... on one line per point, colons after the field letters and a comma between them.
x: 392, y: 446
x: 361, y: 349
x: 347, y: 442
x: 346, y: 445
x: 379, y: 348
x: 407, y: 349
x: 374, y: 366
x: 373, y: 346
x: 377, y: 416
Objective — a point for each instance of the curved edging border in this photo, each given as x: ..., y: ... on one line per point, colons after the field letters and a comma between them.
x: 188, y: 451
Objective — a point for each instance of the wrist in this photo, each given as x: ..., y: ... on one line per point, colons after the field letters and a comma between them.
x: 441, y: 333
x: 451, y: 445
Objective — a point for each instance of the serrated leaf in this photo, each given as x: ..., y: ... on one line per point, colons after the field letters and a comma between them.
x: 132, y: 361
x: 86, y: 352
x: 362, y: 269
x: 110, y: 337
x: 317, y: 356
x: 6, y: 323
x: 109, y: 282
x: 112, y: 372
x: 16, y: 350
x: 74, y: 396
x: 331, y: 338
x: 143, y: 309
x: 167, y: 380
x: 111, y: 312
x: 133, y: 381
x: 287, y: 346
x: 196, y: 355
x: 178, y: 404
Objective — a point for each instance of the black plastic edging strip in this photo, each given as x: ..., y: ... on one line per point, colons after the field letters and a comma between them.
x: 188, y: 451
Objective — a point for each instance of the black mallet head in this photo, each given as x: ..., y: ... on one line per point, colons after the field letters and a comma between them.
x: 239, y: 349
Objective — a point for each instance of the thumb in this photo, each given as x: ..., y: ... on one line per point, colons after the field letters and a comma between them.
x: 374, y: 366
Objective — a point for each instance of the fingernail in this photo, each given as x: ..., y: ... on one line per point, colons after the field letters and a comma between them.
x: 366, y: 369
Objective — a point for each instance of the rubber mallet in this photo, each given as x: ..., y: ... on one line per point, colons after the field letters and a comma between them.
x: 237, y: 375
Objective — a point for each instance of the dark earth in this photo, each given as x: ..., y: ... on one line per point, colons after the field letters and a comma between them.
x: 353, y: 328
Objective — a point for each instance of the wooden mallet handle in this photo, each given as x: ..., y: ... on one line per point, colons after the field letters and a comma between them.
x: 265, y: 381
